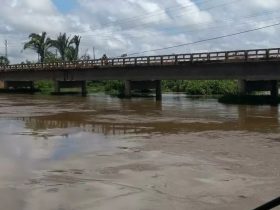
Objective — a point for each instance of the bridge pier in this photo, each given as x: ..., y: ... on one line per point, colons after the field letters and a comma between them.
x: 274, y: 91
x: 58, y: 85
x: 143, y: 86
x: 127, y: 88
x: 242, y: 87
x: 158, y: 90
x: 247, y: 87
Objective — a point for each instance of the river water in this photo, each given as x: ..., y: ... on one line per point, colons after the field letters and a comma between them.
x: 102, y: 152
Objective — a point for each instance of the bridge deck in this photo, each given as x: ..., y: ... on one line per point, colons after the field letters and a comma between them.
x: 255, y: 55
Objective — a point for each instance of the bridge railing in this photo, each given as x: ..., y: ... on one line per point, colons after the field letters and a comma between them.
x: 175, y: 59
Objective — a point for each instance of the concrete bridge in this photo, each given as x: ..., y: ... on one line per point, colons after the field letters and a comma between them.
x: 256, y: 70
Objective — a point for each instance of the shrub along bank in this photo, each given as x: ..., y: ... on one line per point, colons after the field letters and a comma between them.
x: 195, y: 87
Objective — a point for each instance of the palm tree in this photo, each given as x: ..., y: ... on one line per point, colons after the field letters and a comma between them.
x: 62, y: 43
x: 39, y: 43
x: 71, y: 54
x: 65, y: 47
x: 76, y: 40
x: 4, y: 61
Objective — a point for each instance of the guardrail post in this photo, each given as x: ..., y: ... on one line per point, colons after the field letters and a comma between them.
x: 208, y: 56
x: 226, y: 56
x: 176, y: 59
x: 161, y: 60
x: 267, y: 54
x: 246, y: 55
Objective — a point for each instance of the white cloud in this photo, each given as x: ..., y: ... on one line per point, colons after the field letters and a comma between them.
x: 124, y: 26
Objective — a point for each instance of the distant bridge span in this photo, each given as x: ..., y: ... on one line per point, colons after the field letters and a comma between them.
x: 253, y: 65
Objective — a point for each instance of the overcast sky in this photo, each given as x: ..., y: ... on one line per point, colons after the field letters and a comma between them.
x: 117, y: 27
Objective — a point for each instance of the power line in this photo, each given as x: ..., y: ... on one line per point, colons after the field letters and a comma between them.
x: 147, y: 24
x: 206, y: 40
x: 148, y: 15
x: 6, y: 48
x: 166, y: 9
x: 208, y: 26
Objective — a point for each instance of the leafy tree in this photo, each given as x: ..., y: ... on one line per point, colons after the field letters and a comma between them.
x: 4, y: 61
x: 38, y: 43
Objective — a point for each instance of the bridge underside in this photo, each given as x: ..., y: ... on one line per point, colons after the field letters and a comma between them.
x: 143, y: 86
x: 58, y: 85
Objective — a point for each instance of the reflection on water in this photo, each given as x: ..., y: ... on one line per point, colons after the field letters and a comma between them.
x: 176, y: 114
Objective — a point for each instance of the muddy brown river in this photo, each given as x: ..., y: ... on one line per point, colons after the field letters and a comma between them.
x: 101, y: 152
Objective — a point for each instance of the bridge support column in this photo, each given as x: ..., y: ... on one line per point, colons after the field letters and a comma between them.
x: 242, y: 87
x: 143, y: 88
x: 58, y: 85
x: 84, y: 88
x: 158, y: 90
x: 247, y: 87
x: 127, y: 89
x: 274, y: 92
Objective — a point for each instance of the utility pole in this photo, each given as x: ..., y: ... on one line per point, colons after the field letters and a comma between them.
x: 93, y: 53
x: 6, y: 48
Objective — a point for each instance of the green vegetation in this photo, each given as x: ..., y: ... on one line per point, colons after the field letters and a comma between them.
x: 116, y: 87
x: 189, y: 87
x: 197, y: 87
x: 45, y: 87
